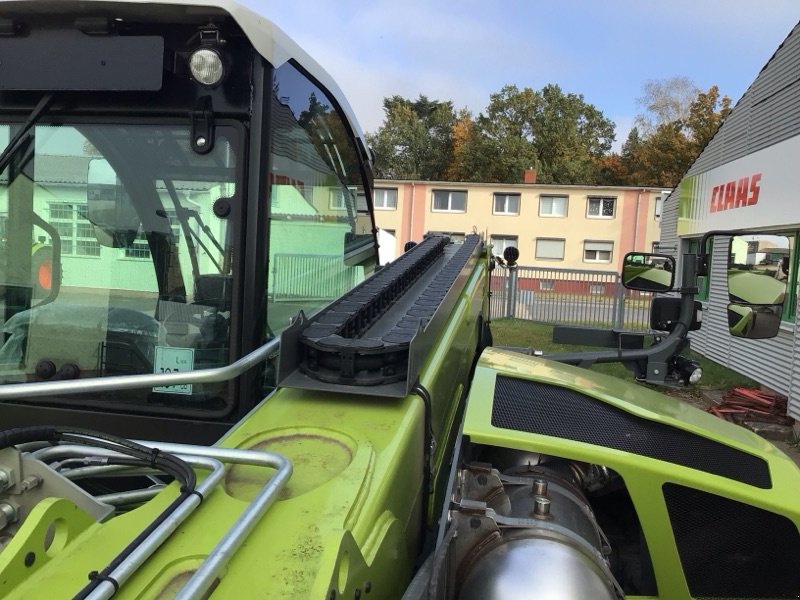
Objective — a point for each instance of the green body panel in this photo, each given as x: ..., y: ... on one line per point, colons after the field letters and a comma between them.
x: 643, y: 476
x: 754, y: 287
x: 353, y: 511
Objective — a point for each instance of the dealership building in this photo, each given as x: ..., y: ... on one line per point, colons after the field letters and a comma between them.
x: 747, y: 178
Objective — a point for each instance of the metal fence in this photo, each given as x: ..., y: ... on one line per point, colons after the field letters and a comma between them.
x: 299, y: 277
x: 568, y: 297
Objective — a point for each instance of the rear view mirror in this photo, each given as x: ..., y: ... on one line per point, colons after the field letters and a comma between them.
x: 648, y: 272
x: 757, y: 275
x: 110, y: 210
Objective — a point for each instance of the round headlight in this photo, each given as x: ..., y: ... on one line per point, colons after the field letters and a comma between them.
x: 206, y: 66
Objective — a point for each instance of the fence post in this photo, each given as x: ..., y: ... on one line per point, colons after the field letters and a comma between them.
x: 619, y: 305
x: 511, y: 292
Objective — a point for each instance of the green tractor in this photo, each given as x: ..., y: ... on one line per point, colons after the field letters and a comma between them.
x: 224, y: 396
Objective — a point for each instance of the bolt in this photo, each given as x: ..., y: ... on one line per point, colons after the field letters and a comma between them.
x: 5, y: 480
x: 30, y: 482
x: 539, y: 487
x: 200, y: 141
x: 367, y: 587
x: 541, y: 506
x: 8, y: 514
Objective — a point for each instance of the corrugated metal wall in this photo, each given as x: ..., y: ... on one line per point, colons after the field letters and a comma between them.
x: 768, y: 113
x: 767, y: 361
x: 669, y: 222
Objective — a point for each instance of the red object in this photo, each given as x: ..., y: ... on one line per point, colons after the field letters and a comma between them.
x: 742, y: 403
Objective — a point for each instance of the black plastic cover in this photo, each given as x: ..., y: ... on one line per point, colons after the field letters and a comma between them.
x: 535, y: 407
x: 729, y: 549
x: 65, y: 59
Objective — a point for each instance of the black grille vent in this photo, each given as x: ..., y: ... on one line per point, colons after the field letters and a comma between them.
x: 733, y: 550
x: 558, y: 412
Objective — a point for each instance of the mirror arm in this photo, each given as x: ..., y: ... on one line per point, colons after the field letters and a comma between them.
x: 702, y: 255
x: 673, y: 343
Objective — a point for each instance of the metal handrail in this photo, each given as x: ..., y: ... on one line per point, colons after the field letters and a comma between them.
x: 15, y: 391
x: 201, y: 581
x: 105, y: 589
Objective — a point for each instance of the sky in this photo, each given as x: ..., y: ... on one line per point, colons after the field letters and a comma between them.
x: 466, y: 50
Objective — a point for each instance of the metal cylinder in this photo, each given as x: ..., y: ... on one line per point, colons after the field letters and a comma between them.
x: 537, y: 568
x: 550, y: 546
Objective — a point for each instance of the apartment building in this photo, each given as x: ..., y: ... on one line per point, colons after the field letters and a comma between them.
x: 574, y: 227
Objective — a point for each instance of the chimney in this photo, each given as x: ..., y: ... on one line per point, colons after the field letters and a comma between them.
x: 529, y: 175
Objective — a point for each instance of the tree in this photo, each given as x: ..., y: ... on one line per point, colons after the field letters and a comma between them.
x: 415, y: 140
x: 559, y: 134
x: 665, y: 101
x: 661, y: 156
x: 706, y: 114
x: 570, y: 136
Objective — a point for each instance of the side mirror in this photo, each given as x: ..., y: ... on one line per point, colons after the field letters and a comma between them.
x: 648, y: 272
x: 757, y: 276
x: 110, y: 210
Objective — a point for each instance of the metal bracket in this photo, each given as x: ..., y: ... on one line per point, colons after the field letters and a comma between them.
x: 203, y: 126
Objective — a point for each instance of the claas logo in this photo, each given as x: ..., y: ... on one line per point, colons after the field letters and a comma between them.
x: 736, y: 193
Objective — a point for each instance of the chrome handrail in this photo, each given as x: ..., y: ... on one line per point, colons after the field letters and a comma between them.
x: 201, y: 581
x: 14, y: 391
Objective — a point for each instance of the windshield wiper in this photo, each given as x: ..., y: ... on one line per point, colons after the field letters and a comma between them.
x: 16, y: 141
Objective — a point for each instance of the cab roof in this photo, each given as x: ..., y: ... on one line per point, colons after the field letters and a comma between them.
x: 266, y: 37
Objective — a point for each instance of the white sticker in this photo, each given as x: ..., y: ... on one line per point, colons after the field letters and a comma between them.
x: 174, y: 360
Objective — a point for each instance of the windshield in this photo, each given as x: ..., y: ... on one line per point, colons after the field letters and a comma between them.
x: 116, y: 256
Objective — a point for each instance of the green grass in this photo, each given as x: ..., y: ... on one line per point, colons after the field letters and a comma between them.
x: 526, y: 334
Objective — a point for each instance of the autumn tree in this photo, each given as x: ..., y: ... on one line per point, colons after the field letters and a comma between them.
x: 661, y: 155
x: 706, y: 114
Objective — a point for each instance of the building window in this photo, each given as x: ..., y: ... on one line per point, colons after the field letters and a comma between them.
x: 552, y: 206
x: 385, y: 198
x: 597, y: 251
x: 449, y: 201
x: 659, y: 209
x: 547, y: 285
x: 347, y: 198
x: 77, y: 233
x: 506, y: 204
x: 600, y: 208
x: 501, y: 242
x: 141, y: 249
x: 455, y: 236
x: 549, y: 249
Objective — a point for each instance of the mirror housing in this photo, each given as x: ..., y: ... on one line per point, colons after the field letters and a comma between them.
x: 110, y: 209
x: 648, y: 272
